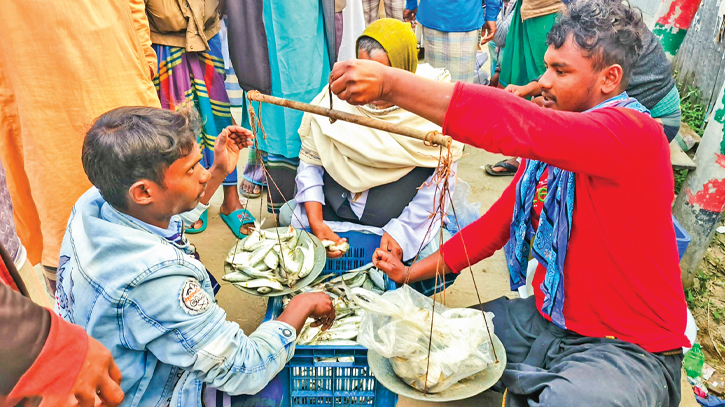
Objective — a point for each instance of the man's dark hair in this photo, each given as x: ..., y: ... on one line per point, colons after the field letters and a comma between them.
x: 129, y: 144
x: 609, y: 31
x: 369, y: 45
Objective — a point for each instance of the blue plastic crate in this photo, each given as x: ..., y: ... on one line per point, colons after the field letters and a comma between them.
x: 307, y: 378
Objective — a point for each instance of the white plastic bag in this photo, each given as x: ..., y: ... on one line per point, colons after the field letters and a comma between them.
x: 397, y: 325
x: 466, y: 212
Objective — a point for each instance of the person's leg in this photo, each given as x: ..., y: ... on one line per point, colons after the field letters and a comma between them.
x: 253, y: 176
x: 508, y: 166
x: 518, y: 324
x: 371, y: 10
x: 281, y: 182
x: 455, y: 52
x: 231, y: 201
x: 394, y: 9
x: 596, y: 372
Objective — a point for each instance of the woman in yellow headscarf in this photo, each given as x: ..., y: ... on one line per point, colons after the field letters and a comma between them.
x: 353, y: 178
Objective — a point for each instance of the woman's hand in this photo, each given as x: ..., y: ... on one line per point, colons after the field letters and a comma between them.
x: 323, y: 232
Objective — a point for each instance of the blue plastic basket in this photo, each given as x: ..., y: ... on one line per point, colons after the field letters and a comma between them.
x: 683, y: 238
x: 309, y: 380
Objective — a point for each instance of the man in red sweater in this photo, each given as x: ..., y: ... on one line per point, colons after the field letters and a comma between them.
x: 606, y: 324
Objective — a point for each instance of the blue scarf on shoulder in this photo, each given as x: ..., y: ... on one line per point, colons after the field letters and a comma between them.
x: 551, y: 239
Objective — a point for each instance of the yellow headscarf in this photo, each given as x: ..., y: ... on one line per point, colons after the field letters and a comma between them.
x: 397, y: 39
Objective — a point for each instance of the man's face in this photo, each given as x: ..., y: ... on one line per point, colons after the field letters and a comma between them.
x: 570, y: 83
x: 185, y: 182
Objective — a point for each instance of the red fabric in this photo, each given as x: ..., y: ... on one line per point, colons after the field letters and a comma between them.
x: 539, y: 198
x: 621, y: 276
x: 56, y: 368
x: 6, y: 278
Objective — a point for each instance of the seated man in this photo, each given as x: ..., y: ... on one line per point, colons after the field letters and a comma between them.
x: 354, y: 178
x: 606, y: 324
x: 129, y: 277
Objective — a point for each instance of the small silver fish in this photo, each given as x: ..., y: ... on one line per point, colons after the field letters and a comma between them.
x: 271, y: 259
x: 236, y: 277
x: 255, y: 273
x: 330, y: 246
x: 377, y: 277
x: 308, y: 334
x: 262, y: 282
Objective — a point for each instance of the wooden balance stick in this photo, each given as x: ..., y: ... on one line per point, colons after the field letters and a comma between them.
x: 434, y: 138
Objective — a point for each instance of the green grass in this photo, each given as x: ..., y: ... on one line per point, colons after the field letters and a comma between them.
x: 694, y: 114
x: 680, y: 176
x: 693, y: 111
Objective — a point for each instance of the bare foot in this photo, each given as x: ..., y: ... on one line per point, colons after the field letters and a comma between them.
x: 250, y: 187
x: 196, y: 225
x: 511, y: 161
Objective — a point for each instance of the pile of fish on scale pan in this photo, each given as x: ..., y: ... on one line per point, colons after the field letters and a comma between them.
x: 347, y: 314
x: 269, y: 261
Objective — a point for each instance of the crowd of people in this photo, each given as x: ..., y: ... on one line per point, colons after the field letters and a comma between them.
x: 148, y: 119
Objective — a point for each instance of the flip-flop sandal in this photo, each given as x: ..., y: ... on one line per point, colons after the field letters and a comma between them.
x: 252, y: 195
x: 200, y: 229
x: 236, y: 220
x: 509, y: 169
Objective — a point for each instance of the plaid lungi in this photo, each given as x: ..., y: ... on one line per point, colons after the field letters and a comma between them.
x: 454, y: 51
x: 393, y: 9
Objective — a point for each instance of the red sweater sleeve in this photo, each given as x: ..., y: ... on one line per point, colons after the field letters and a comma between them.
x: 483, y: 237
x: 600, y: 143
x: 55, y: 370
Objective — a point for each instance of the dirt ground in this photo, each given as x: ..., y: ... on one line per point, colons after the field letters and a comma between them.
x: 491, y: 274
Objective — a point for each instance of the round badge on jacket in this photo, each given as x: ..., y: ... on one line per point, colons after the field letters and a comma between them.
x: 194, y: 300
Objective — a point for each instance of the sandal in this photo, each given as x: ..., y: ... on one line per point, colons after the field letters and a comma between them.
x: 251, y: 195
x: 509, y: 169
x: 236, y: 220
x: 200, y: 229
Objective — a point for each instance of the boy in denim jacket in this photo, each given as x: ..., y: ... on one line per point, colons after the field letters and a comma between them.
x: 129, y: 277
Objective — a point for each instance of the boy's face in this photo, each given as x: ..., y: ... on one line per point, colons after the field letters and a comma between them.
x: 184, y: 184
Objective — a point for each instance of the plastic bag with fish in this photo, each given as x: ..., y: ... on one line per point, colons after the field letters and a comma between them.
x: 397, y: 325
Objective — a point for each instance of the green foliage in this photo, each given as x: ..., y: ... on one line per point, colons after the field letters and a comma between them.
x: 680, y: 176
x: 693, y: 111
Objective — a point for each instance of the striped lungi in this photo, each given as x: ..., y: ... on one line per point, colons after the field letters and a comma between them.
x: 197, y: 77
x: 668, y: 112
x: 454, y: 51
x: 393, y: 9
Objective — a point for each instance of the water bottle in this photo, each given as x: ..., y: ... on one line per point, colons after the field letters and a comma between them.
x: 693, y: 362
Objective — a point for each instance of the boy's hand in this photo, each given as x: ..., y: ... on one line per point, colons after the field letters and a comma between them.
x: 320, y: 308
x: 230, y: 142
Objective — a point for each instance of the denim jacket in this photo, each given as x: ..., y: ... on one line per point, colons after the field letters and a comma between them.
x: 151, y: 304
